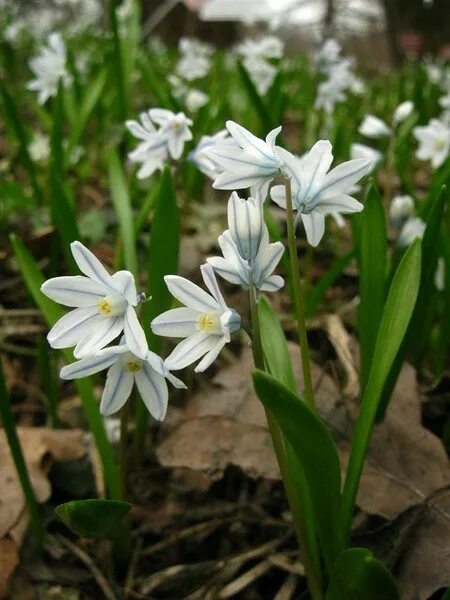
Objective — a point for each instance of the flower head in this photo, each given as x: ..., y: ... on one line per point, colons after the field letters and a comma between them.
x: 49, y: 67
x: 434, y: 142
x: 125, y: 369
x: 412, y: 229
x: 401, y: 208
x: 402, y: 112
x: 248, y: 256
x: 253, y: 165
x: 104, y: 307
x: 316, y: 191
x: 173, y: 128
x: 39, y: 147
x: 373, y: 127
x: 204, y: 160
x: 205, y: 321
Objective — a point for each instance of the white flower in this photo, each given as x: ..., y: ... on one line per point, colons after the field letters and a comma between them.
x: 412, y: 229
x: 434, y: 142
x: 173, y: 128
x: 203, y: 160
x: 401, y: 208
x: 191, y: 67
x: 402, y: 112
x: 370, y: 154
x: 268, y: 46
x: 125, y: 369
x: 195, y: 99
x: 328, y: 95
x: 205, y: 321
x: 373, y: 127
x: 254, y: 166
x: 444, y: 101
x: 49, y: 67
x: 317, y: 192
x: 246, y: 224
x: 247, y: 253
x: 39, y: 147
x: 328, y: 54
x: 105, y: 306
x: 261, y: 73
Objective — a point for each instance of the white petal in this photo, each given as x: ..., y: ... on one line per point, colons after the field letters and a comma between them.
x: 344, y: 176
x: 211, y: 356
x: 190, y: 350
x: 118, y: 386
x: 269, y: 259
x: 239, y: 181
x: 175, y: 144
x: 190, y: 294
x: 226, y: 270
x: 175, y: 381
x: 160, y: 115
x: 272, y: 136
x: 134, y: 334
x: 104, y: 332
x: 339, y: 204
x: 314, y: 224
x: 272, y: 284
x: 87, y: 366
x: 90, y: 265
x: 153, y: 389
x: 211, y: 283
x: 316, y: 165
x: 177, y: 322
x: 293, y: 166
x: 71, y: 328
x: 74, y: 291
x: 124, y: 282
x: 249, y: 142
x: 278, y: 195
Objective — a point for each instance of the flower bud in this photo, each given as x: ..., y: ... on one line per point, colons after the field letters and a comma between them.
x: 246, y: 223
x: 402, y: 112
x: 373, y: 127
x: 401, y: 208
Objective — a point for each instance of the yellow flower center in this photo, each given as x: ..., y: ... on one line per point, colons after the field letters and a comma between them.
x: 133, y: 365
x: 111, y: 306
x: 439, y: 144
x: 208, y: 322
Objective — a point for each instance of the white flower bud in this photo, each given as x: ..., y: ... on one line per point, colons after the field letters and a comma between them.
x: 246, y: 223
x: 402, y: 112
x: 401, y: 208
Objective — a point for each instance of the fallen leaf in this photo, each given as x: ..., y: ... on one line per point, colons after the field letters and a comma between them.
x: 41, y: 447
x: 226, y: 423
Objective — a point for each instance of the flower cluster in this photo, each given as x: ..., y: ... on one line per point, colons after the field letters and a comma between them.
x: 49, y: 68
x: 162, y: 134
x: 258, y: 56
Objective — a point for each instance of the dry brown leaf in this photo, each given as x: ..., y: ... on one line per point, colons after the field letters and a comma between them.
x: 426, y: 566
x: 406, y: 462
x: 226, y: 423
x: 41, y: 447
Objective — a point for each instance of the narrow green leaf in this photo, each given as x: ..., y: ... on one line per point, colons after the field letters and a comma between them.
x: 275, y: 348
x: 117, y: 66
x: 315, y: 451
x: 278, y: 363
x: 9, y: 425
x: 358, y: 574
x: 63, y: 216
x: 372, y: 276
x: 122, y: 203
x: 266, y: 117
x: 52, y: 312
x: 15, y: 124
x: 57, y: 156
x: 95, y: 518
x: 163, y: 260
x: 90, y: 99
x: 397, y: 313
x: 317, y: 294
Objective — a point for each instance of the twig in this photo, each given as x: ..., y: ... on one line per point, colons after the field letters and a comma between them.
x: 245, y: 579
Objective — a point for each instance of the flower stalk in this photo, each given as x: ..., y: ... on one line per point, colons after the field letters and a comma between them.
x: 281, y: 452
x: 298, y: 297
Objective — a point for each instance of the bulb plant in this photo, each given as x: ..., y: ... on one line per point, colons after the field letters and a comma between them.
x: 119, y: 322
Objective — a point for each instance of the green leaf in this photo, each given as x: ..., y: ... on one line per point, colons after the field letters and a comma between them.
x: 373, y: 248
x: 93, y: 518
x: 122, y: 203
x: 315, y: 451
x: 317, y: 294
x: 117, y: 64
x: 278, y: 363
x: 90, y: 99
x: 15, y: 123
x: 163, y: 260
x: 358, y: 575
x: 397, y: 313
x: 266, y: 117
x: 275, y: 348
x: 63, y: 216
x: 52, y: 312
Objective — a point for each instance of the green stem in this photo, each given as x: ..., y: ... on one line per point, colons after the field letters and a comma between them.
x: 281, y: 452
x: 390, y: 159
x: 9, y: 426
x: 298, y: 297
